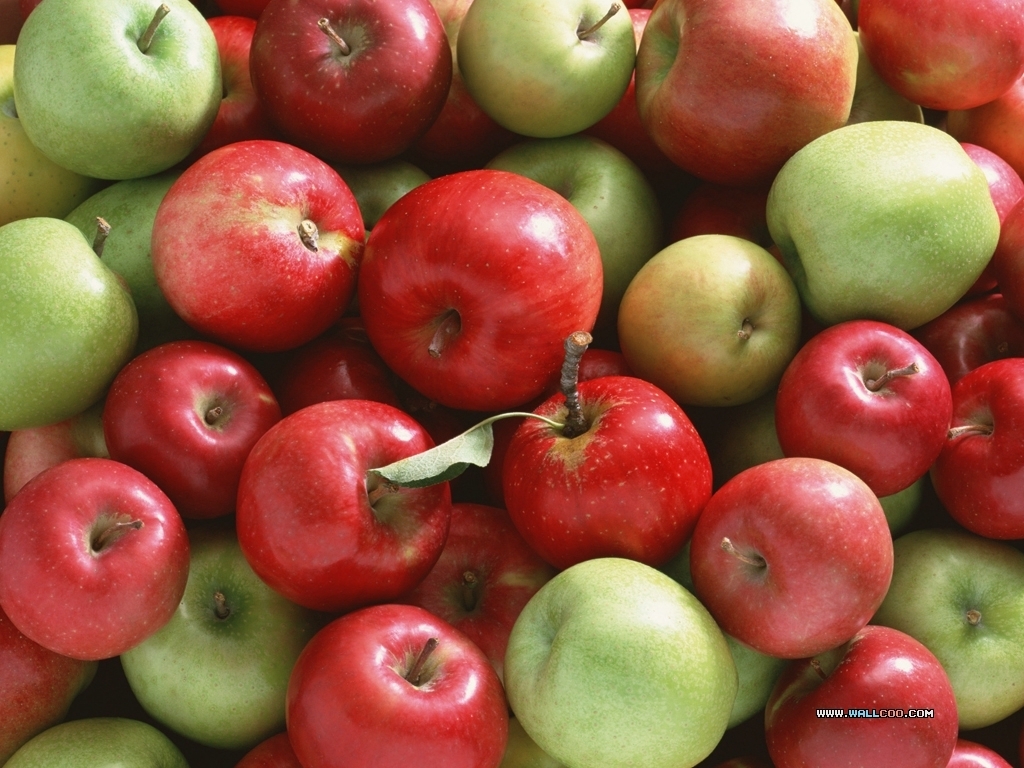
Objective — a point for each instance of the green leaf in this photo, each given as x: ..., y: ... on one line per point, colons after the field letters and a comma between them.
x: 443, y: 462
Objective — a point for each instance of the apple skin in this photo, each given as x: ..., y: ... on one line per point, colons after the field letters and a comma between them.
x: 249, y: 8
x: 994, y: 125
x: 349, y: 551
x: 100, y: 741
x: 474, y: 275
x: 823, y: 556
x: 1006, y: 187
x: 873, y: 99
x: 978, y: 473
x: 971, y: 754
x: 217, y: 672
x: 273, y: 752
x: 362, y: 107
x: 879, y: 668
x: 350, y: 701
x: 378, y: 185
x: 632, y: 485
x: 713, y: 320
x: 962, y: 596
x: 38, y: 686
x: 934, y: 56
x: 259, y: 286
x: 156, y: 105
x: 730, y: 90
x: 91, y: 608
x: 523, y: 752
x: 11, y: 20
x: 67, y: 327
x: 830, y: 406
x: 713, y: 209
x: 1008, y: 260
x: 186, y: 414
x: 579, y: 676
x: 887, y: 220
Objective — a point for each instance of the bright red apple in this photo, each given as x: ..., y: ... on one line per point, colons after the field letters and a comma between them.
x: 274, y: 752
x: 971, y: 754
x: 995, y: 125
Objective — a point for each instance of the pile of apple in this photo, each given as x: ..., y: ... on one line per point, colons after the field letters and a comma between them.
x: 512, y: 383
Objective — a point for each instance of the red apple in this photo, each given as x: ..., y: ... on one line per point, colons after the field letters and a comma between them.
x: 93, y: 558
x: 280, y: 237
x: 352, y: 81
x: 394, y: 686
x: 712, y: 209
x: 249, y: 8
x: 484, y: 577
x: 186, y: 414
x: 792, y: 557
x: 1008, y: 260
x: 995, y: 125
x: 971, y: 754
x: 274, y: 752
x: 869, y: 397
x: 881, y: 674
x: 319, y: 527
x: 470, y: 284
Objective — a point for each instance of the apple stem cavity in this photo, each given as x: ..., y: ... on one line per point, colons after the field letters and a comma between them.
x: 469, y: 595
x: 380, y: 491
x: 969, y: 429
x: 332, y: 33
x: 575, y: 345
x: 102, y: 232
x: 583, y: 34
x: 448, y: 327
x: 147, y: 37
x: 309, y: 235
x: 415, y: 673
x: 107, y: 532
x: 755, y: 561
x: 874, y: 385
x: 746, y: 329
x: 220, y: 605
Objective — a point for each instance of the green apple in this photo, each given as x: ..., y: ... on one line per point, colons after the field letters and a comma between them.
x: 546, y: 68
x: 873, y: 99
x: 900, y: 507
x: 99, y: 742
x: 613, y: 664
x: 129, y: 207
x: 962, y: 596
x: 218, y: 671
x: 112, y: 89
x: 886, y: 220
x: 378, y: 185
x: 712, y: 319
x: 522, y: 752
x: 30, y: 183
x: 610, y: 192
x: 67, y: 325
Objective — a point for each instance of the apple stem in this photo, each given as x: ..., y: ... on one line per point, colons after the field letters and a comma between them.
x: 309, y: 234
x: 112, y: 533
x: 220, y: 605
x: 876, y: 384
x: 756, y: 561
x: 384, y: 489
x: 469, y: 596
x: 102, y: 232
x: 816, y: 666
x: 147, y: 37
x: 974, y: 617
x: 213, y: 414
x: 447, y: 329
x: 415, y: 673
x: 338, y: 40
x: 575, y: 345
x: 746, y: 329
x: 969, y: 429
x: 585, y: 33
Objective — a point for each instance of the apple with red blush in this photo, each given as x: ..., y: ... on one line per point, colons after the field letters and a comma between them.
x: 273, y: 752
x: 994, y: 125
x: 250, y: 8
x: 971, y: 754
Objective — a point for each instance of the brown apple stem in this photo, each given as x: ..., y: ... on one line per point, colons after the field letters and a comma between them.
x: 974, y: 617
x: 876, y: 384
x: 969, y: 429
x: 220, y: 605
x: 447, y: 329
x: 575, y: 345
x: 746, y: 329
x: 585, y: 33
x: 415, y: 673
x: 147, y: 37
x: 469, y: 596
x: 112, y: 532
x: 102, y: 232
x: 756, y: 561
x: 384, y: 489
x: 309, y: 235
x: 213, y: 414
x: 331, y: 32
x: 816, y: 666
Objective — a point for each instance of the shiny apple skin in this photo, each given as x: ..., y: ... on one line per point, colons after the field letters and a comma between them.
x: 971, y: 754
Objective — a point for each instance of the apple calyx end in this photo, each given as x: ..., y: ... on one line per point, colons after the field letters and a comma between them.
x: 158, y: 16
x: 332, y: 33
x: 973, y: 617
x: 755, y: 561
x: 415, y: 674
x: 309, y: 235
x: 583, y: 34
x: 874, y: 385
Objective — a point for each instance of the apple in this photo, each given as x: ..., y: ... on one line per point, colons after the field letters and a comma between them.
x: 887, y: 220
x: 281, y: 238
x: 873, y: 99
x: 971, y: 754
x: 122, y: 551
x: 470, y: 283
x: 10, y: 21
x: 930, y: 53
x: 186, y: 414
x: 1008, y: 260
x: 378, y: 185
x: 249, y: 8
x: 908, y: 710
x: 98, y: 741
x: 792, y: 557
x: 132, y: 92
x: 712, y: 320
x: 610, y: 192
x: 67, y: 326
x: 738, y: 437
x: 393, y: 685
x: 38, y: 686
x: 217, y: 672
x: 522, y: 752
x: 994, y: 125
x: 729, y: 91
x: 322, y: 529
x: 351, y: 81
x: 273, y: 752
x: 714, y: 209
x: 546, y: 68
x: 581, y: 675
x: 962, y: 596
